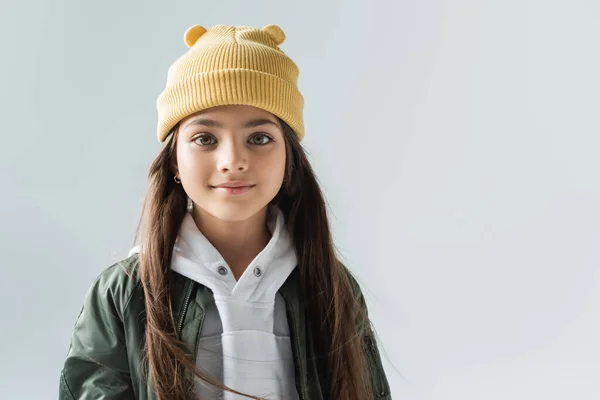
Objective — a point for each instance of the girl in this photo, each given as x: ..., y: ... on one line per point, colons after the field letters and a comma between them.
x: 234, y: 290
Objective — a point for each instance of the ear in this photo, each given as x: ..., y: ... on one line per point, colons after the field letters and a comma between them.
x: 275, y: 32
x: 192, y: 34
x: 174, y: 167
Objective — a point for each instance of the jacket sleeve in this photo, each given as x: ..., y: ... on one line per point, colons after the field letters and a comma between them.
x: 379, y: 381
x: 97, y: 365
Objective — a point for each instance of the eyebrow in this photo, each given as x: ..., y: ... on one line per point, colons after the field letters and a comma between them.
x: 216, y: 124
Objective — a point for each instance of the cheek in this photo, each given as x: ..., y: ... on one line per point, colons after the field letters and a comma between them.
x: 273, y: 167
x: 194, y: 168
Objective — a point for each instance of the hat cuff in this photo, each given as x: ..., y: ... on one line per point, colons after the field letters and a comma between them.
x: 227, y: 87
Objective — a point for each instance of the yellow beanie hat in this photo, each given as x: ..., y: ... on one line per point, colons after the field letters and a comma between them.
x: 232, y: 65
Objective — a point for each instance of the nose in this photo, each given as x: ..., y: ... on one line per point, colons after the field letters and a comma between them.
x: 232, y: 157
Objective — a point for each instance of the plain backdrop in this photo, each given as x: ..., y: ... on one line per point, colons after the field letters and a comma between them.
x: 456, y: 141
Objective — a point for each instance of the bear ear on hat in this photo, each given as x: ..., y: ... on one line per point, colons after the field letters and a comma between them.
x: 275, y: 32
x: 193, y: 34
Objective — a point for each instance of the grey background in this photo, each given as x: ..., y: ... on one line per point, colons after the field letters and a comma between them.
x: 457, y: 142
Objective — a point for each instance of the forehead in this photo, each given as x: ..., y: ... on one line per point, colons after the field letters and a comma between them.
x: 231, y: 115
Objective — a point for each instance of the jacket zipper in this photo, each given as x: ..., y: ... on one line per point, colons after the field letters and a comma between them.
x: 303, y: 395
x: 184, y: 311
x: 198, y: 336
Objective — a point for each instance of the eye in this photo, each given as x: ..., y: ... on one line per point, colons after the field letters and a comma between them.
x: 205, y: 140
x: 260, y: 139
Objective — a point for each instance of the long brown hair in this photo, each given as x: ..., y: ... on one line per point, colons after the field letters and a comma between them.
x: 333, y: 312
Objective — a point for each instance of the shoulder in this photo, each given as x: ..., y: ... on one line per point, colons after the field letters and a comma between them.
x: 359, y: 303
x: 117, y: 284
x: 355, y: 287
x: 353, y: 282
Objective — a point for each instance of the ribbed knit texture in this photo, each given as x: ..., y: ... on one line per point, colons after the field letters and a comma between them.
x: 232, y: 65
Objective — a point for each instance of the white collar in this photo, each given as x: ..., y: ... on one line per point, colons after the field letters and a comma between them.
x: 195, y: 257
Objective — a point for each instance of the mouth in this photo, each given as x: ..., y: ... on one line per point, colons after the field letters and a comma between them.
x: 233, y: 188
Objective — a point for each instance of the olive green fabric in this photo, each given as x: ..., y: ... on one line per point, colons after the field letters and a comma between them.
x: 104, y: 358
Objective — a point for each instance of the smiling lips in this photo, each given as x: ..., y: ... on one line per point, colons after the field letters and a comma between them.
x: 234, y: 187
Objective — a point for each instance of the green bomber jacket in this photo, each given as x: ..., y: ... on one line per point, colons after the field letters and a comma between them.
x: 104, y: 360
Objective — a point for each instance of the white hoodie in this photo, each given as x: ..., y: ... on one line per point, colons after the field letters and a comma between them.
x: 244, y: 341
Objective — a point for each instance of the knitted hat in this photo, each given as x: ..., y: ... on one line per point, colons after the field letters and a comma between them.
x: 232, y: 65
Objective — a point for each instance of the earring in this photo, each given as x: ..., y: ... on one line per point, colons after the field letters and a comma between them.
x: 176, y: 179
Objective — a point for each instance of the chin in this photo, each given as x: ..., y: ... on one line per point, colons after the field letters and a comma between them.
x: 233, y: 212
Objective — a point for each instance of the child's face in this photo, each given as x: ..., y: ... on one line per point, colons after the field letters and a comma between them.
x: 215, y: 147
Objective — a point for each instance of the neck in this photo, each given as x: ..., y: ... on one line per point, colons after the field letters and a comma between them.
x: 239, y: 242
